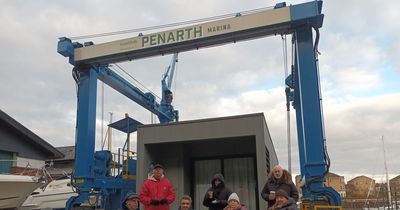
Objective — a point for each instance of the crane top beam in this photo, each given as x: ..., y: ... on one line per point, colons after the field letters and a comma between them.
x: 280, y: 20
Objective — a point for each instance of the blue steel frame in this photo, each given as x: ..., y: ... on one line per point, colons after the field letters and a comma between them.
x: 89, y: 176
x: 305, y: 92
x: 310, y: 130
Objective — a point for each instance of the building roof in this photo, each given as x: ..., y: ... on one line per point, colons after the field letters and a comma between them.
x: 395, y: 178
x: 68, y: 151
x: 260, y: 114
x: 333, y: 174
x: 39, y: 143
x: 360, y: 177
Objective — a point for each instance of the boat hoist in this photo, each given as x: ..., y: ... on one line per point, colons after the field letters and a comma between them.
x: 91, y: 62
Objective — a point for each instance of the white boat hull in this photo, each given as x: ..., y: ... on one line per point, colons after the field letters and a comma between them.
x: 15, y: 189
x: 54, y: 196
x: 47, y: 201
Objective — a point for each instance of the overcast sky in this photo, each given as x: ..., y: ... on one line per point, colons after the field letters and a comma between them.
x: 359, y: 68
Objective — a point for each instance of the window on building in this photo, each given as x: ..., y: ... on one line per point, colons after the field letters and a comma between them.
x: 267, y: 161
x: 5, y: 162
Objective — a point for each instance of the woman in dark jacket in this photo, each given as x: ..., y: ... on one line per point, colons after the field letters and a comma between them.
x: 216, y: 197
x: 279, y: 179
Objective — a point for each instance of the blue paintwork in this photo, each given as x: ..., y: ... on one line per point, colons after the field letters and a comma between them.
x: 166, y: 84
x: 92, y: 169
x: 309, y: 12
x: 310, y: 130
x: 146, y: 100
x: 85, y: 134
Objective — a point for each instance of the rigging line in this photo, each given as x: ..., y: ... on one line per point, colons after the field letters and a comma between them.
x: 103, y: 141
x: 170, y: 25
x: 120, y: 73
x: 136, y: 80
x: 370, y: 188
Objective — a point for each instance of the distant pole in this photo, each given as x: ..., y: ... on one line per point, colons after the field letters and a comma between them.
x: 287, y: 90
x: 387, y: 176
x: 109, y: 133
x: 102, y: 112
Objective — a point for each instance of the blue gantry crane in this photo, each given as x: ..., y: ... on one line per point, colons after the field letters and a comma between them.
x: 91, y: 62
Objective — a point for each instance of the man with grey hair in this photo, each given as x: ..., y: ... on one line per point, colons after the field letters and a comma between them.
x: 278, y: 179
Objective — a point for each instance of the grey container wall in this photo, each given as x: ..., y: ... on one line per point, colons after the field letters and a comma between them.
x: 175, y: 145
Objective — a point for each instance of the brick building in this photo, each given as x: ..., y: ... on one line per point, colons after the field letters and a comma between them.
x: 395, y: 187
x: 336, y: 182
x: 360, y: 187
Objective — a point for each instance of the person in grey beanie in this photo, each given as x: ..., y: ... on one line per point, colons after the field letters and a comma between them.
x: 131, y: 201
x: 234, y: 203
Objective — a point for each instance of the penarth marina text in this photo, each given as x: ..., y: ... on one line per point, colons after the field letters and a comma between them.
x: 172, y: 36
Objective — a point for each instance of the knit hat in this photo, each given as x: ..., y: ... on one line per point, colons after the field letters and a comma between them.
x: 234, y: 196
x: 129, y: 195
x: 282, y: 193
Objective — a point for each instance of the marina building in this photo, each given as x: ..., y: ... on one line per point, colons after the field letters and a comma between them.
x: 239, y: 147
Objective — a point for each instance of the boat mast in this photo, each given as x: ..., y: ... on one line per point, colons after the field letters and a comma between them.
x: 387, y: 176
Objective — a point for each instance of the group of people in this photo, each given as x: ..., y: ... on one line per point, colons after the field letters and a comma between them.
x: 157, y: 193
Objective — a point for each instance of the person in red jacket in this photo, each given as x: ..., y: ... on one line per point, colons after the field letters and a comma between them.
x: 157, y: 192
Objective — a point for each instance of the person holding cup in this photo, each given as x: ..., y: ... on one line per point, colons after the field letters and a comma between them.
x: 216, y: 197
x: 278, y: 179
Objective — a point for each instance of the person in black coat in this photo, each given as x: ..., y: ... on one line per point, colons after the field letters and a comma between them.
x: 216, y: 197
x: 279, y: 179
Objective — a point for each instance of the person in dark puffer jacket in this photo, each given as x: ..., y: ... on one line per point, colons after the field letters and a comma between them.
x: 216, y: 197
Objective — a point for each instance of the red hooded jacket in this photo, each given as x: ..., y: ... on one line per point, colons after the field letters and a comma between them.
x: 153, y: 189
